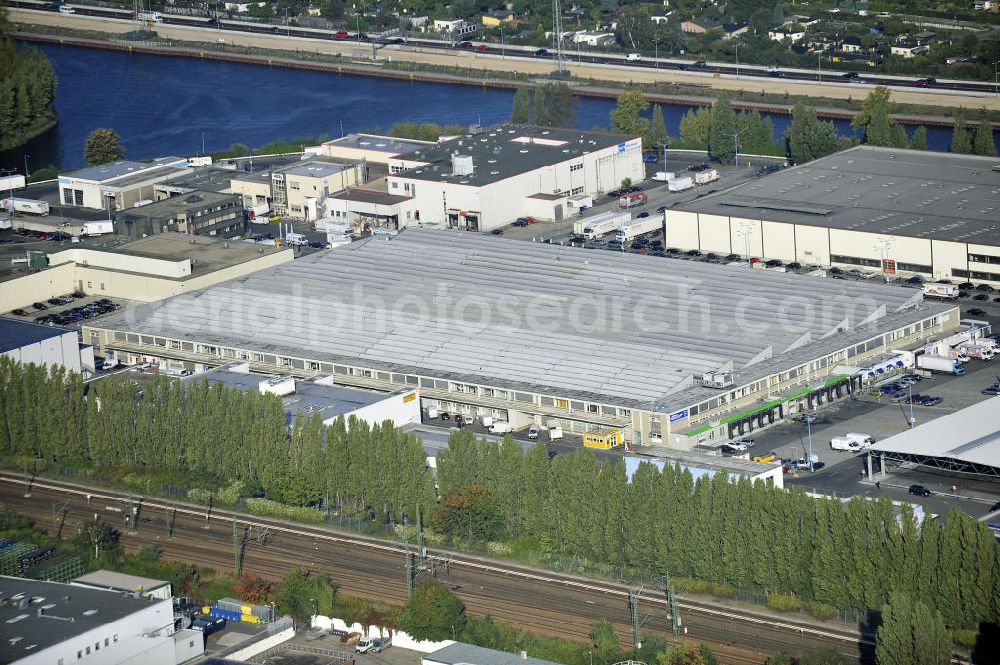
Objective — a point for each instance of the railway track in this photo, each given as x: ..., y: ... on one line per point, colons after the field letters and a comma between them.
x: 545, y: 603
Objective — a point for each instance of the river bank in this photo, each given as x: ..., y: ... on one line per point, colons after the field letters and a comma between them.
x: 776, y: 96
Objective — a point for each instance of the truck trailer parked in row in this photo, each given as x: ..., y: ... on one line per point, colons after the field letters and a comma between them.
x: 638, y: 227
x: 9, y: 182
x: 681, y: 184
x: 705, y: 177
x: 938, y: 290
x: 30, y: 206
x: 632, y: 200
x: 596, y: 226
x: 939, y: 364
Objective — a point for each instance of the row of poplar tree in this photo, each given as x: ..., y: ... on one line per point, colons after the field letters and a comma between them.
x: 753, y: 537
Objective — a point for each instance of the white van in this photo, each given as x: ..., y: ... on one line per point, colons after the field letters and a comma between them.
x: 844, y: 443
x: 487, y: 421
x: 633, y: 57
x: 501, y: 427
x: 862, y: 439
x: 533, y: 432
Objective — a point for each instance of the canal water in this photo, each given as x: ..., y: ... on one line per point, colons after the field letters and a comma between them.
x: 165, y: 105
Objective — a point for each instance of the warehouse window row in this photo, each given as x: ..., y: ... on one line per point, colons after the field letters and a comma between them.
x: 976, y: 274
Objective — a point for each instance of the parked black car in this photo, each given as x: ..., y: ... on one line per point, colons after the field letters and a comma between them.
x: 919, y: 490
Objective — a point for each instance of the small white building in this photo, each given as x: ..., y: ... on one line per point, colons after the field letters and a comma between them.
x: 909, y: 50
x: 369, y: 209
x: 117, y: 185
x: 50, y: 623
x: 29, y: 342
x: 781, y: 34
x: 587, y: 38
x: 486, y: 180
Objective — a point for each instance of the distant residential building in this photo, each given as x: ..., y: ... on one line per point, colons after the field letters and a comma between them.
x: 817, y: 44
x: 801, y: 20
x: 909, y: 49
x: 314, y: 11
x: 852, y: 45
x: 659, y: 20
x: 455, y: 27
x: 781, y: 34
x: 734, y: 30
x: 594, y: 38
x: 699, y: 25
x: 497, y: 17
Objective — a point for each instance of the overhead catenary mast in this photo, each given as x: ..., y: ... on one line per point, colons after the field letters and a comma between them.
x: 557, y: 36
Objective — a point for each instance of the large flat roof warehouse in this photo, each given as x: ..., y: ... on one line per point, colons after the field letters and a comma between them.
x: 127, y: 172
x: 17, y: 333
x: 502, y: 152
x: 622, y: 329
x: 967, y: 440
x: 372, y: 142
x: 917, y: 193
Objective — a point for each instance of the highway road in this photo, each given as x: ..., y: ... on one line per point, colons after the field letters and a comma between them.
x: 535, y: 600
x: 620, y: 67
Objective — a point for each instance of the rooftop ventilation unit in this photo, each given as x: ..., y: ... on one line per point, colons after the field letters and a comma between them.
x: 277, y: 385
x: 462, y: 165
x: 717, y: 379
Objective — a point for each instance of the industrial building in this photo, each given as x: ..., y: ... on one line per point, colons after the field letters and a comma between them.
x: 700, y: 464
x: 50, y: 623
x: 460, y: 653
x: 366, y: 209
x: 319, y: 395
x: 118, y: 185
x: 966, y: 441
x: 298, y: 190
x: 369, y: 148
x: 29, y: 342
x: 143, y: 270
x: 111, y: 580
x: 196, y: 213
x: 899, y: 212
x: 674, y: 353
x: 485, y: 180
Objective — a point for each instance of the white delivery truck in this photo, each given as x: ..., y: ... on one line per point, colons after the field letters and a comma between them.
x: 844, y: 443
x: 939, y: 364
x: 338, y: 234
x: 980, y: 352
x: 596, y: 226
x: 681, y: 184
x: 863, y: 440
x: 151, y: 17
x: 98, y: 228
x: 638, y: 227
x: 295, y: 239
x: 555, y: 430
x: 9, y: 182
x: 259, y: 213
x: 958, y: 353
x: 632, y: 200
x: 501, y: 427
x: 30, y: 206
x: 705, y: 177
x: 938, y: 290
x: 664, y: 176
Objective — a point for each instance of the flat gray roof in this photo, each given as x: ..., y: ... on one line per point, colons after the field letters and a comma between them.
x: 312, y: 168
x: 308, y: 398
x: 370, y: 196
x: 625, y: 329
x: 461, y: 653
x: 120, y: 169
x: 513, y: 149
x: 204, y: 178
x: 916, y: 193
x: 970, y: 435
x: 110, y: 579
x: 88, y: 609
x: 196, y: 200
x: 15, y: 333
x: 375, y: 143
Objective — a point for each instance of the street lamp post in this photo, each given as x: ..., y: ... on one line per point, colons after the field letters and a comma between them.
x: 26, y: 167
x: 203, y: 143
x: 996, y: 78
x: 737, y: 62
x: 819, y: 67
x: 809, y: 436
x: 501, y: 43
x: 909, y: 389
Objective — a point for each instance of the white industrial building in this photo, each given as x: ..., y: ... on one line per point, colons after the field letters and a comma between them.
x: 486, y: 180
x: 902, y: 212
x: 50, y: 623
x: 673, y: 353
x: 29, y: 342
x: 117, y: 185
x: 111, y: 580
x: 321, y: 395
x: 370, y: 148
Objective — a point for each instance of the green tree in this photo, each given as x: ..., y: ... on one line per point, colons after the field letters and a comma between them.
x: 983, y: 143
x: 561, y: 104
x: 102, y: 146
x: 303, y: 594
x: 656, y: 136
x: 721, y: 144
x: 626, y: 117
x: 919, y: 139
x: 684, y: 654
x: 471, y: 513
x: 825, y: 656
x: 960, y: 142
x: 540, y: 109
x: 780, y: 658
x: 101, y: 538
x: 521, y: 114
x: 807, y: 137
x: 433, y: 612
x: 911, y: 634
x: 607, y: 647
x: 875, y: 118
x: 695, y: 126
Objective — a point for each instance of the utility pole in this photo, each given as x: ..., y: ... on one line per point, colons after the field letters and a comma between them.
x: 420, y: 563
x: 132, y: 515
x: 171, y: 515
x: 633, y: 612
x: 675, y: 616
x: 557, y: 39
x: 58, y: 518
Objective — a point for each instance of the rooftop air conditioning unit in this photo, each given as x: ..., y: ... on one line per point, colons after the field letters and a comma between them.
x: 717, y: 380
x: 462, y: 165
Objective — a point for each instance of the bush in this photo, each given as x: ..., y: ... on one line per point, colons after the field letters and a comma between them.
x: 269, y: 508
x: 821, y: 611
x: 965, y: 638
x: 498, y: 549
x: 405, y: 532
x: 199, y: 495
x: 231, y: 495
x: 783, y: 603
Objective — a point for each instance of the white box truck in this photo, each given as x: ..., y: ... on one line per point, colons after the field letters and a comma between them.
x: 596, y: 226
x: 638, y: 227
x: 259, y: 213
x: 844, y: 443
x: 705, y: 177
x: 664, y: 176
x: 295, y: 239
x: 9, y: 182
x: 980, y: 352
x: 938, y: 290
x: 98, y: 228
x: 501, y: 427
x: 555, y: 430
x: 30, y: 206
x: 939, y: 364
x: 680, y: 184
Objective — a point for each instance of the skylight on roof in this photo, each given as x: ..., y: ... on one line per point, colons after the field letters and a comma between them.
x: 539, y: 141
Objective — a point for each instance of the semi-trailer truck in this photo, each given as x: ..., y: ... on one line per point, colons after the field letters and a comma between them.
x: 632, y: 200
x: 596, y: 226
x: 638, y: 227
x: 30, y: 206
x: 939, y: 364
x: 938, y: 290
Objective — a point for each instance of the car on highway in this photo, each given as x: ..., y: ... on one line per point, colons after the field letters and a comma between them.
x: 775, y: 73
x: 482, y: 48
x: 362, y: 37
x: 919, y: 490
x: 661, y: 209
x: 981, y: 297
x: 497, y: 232
x: 768, y: 168
x: 975, y: 311
x: 463, y: 45
x: 542, y: 53
x: 699, y: 64
x: 925, y: 82
x: 850, y: 76
x: 341, y: 34
x: 696, y: 168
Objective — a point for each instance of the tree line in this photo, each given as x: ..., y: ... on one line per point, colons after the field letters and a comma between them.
x: 27, y: 93
x: 750, y: 537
